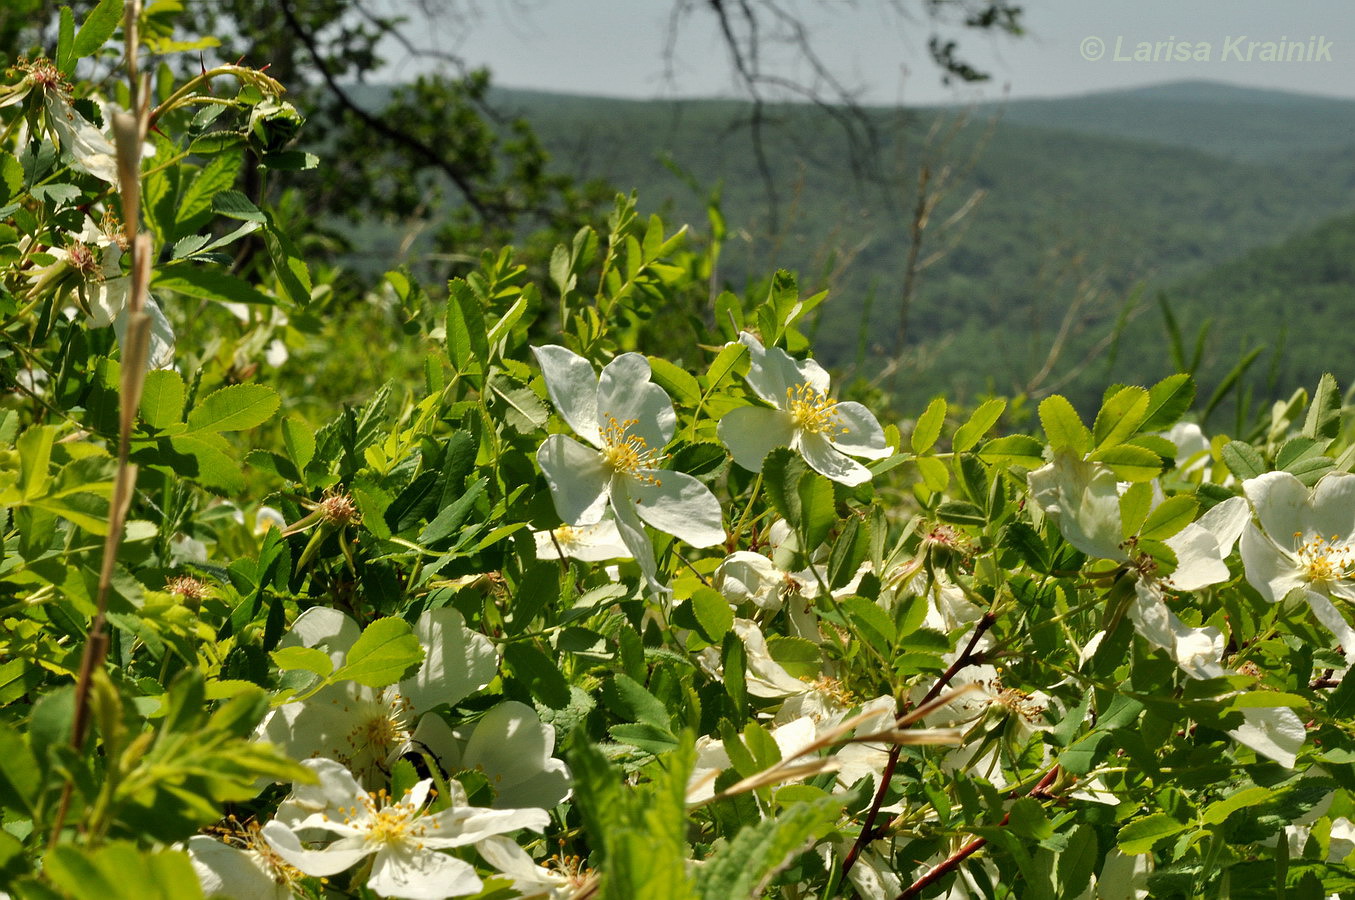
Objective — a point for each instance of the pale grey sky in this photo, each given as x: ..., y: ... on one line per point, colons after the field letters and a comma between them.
x: 617, y: 47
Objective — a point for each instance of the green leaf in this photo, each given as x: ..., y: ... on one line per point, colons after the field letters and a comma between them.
x: 849, y: 552
x: 1135, y: 503
x: 523, y: 409
x: 1120, y: 417
x: 454, y: 514
x: 35, y: 459
x: 1324, y: 413
x: 307, y: 659
x: 799, y: 657
x: 934, y: 473
x: 869, y: 618
x: 208, y: 284
x: 927, y: 430
x: 299, y: 441
x: 385, y: 651
x: 1216, y: 812
x: 234, y: 408
x: 204, y: 458
x: 1028, y: 820
x: 961, y: 512
x: 817, y: 510
x: 162, y: 398
x: 968, y: 434
x: 630, y: 700
x: 11, y: 174
x: 1140, y: 835
x: 235, y: 205
x: 1243, y: 460
x: 1014, y: 450
x: 1077, y: 861
x: 1168, y: 400
x: 713, y: 614
x: 1128, y: 462
x: 65, y: 41
x: 1169, y: 517
x: 467, y: 340
x: 216, y: 176
x: 119, y: 871
x: 782, y: 471
x: 680, y: 384
x: 746, y: 865
x: 541, y: 676
x: 1062, y: 425
x: 97, y: 28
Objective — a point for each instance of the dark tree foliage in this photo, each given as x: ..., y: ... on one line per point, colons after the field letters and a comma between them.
x: 410, y: 154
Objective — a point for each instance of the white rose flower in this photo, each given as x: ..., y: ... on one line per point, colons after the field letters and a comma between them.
x: 404, y: 837
x: 1305, y: 543
x: 825, y: 432
x: 366, y: 728
x: 627, y: 420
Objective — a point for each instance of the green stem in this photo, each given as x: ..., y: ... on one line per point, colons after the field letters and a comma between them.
x: 748, y: 511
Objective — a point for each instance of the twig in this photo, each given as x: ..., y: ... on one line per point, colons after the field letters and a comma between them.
x: 129, y: 130
x: 966, y: 658
x: 949, y: 864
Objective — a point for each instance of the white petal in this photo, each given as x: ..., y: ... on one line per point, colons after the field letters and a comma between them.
x: 457, y: 827
x: 1333, y: 621
x: 1274, y: 732
x: 320, y: 626
x: 677, y: 504
x: 228, y: 871
x: 772, y: 373
x: 332, y: 860
x: 1271, y: 571
x: 1199, y: 561
x: 510, y: 859
x: 589, y: 543
x: 513, y: 748
x: 437, y: 737
x: 578, y: 479
x: 633, y: 535
x: 1333, y: 502
x: 108, y: 303
x: 863, y: 435
x: 90, y: 151
x: 404, y: 871
x: 1151, y: 617
x: 1281, y: 503
x: 625, y: 394
x: 749, y: 576
x: 457, y: 661
x: 751, y: 432
x: 1085, y: 499
x: 1225, y: 521
x: 825, y: 459
x: 765, y: 676
x: 573, y: 388
x: 336, y: 788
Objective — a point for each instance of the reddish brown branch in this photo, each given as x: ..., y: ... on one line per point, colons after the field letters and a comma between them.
x: 868, y: 831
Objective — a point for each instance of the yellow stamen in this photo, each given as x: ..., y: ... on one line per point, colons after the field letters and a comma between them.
x: 812, y: 411
x: 626, y: 453
x: 1324, y: 560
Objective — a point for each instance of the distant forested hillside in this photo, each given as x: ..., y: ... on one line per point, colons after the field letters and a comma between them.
x: 1069, y: 212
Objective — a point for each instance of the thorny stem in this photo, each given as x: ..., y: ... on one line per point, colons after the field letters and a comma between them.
x: 966, y: 658
x: 184, y: 94
x: 129, y: 130
x: 949, y: 864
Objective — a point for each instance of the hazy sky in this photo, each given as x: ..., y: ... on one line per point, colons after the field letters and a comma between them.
x: 617, y: 47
